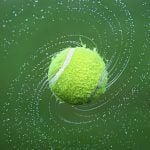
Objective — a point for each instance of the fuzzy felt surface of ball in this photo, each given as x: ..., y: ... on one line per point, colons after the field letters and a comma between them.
x: 77, y: 75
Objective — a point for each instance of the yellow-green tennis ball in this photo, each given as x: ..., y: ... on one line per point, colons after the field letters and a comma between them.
x: 77, y: 75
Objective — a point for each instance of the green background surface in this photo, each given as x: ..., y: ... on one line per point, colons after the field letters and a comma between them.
x: 31, y: 31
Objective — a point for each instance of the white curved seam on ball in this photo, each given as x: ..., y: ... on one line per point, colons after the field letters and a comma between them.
x: 100, y: 81
x: 65, y: 64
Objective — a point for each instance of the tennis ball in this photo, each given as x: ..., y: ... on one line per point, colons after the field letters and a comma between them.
x: 77, y: 75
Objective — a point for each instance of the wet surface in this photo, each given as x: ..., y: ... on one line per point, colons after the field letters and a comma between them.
x: 32, y: 31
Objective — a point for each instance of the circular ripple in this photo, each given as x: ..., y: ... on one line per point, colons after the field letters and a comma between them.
x: 32, y: 116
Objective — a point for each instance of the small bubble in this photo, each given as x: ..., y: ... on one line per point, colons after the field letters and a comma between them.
x: 42, y: 17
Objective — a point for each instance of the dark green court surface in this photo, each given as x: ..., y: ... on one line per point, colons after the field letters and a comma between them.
x: 31, y: 117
